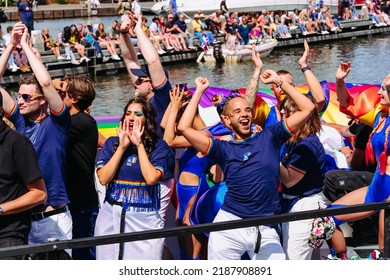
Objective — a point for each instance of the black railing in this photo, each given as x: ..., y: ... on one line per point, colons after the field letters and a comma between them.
x: 196, y: 229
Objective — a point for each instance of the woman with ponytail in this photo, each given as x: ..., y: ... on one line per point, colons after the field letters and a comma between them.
x: 377, y: 148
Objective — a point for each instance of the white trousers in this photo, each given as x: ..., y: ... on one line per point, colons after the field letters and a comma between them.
x: 232, y: 244
x: 295, y: 234
x: 108, y: 222
x: 57, y: 227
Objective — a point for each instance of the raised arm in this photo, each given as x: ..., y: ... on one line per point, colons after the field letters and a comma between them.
x: 53, y: 98
x: 312, y: 81
x: 128, y: 52
x: 196, y: 138
x: 341, y: 88
x: 304, y: 105
x: 150, y: 173
x: 150, y: 54
x: 253, y: 86
x: 17, y: 31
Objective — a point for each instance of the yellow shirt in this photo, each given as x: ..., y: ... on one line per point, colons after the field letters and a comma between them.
x: 196, y: 26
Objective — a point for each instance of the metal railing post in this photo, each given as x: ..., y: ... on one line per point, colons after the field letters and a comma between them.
x: 386, y: 249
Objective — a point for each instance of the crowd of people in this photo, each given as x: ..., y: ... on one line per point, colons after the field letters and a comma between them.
x: 272, y: 160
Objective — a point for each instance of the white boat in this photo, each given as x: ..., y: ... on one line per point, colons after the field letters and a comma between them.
x: 244, y: 53
x: 190, y: 7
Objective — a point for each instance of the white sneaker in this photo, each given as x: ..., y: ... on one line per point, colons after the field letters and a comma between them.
x: 115, y: 57
x: 105, y: 59
x: 84, y: 58
x: 333, y: 29
x: 304, y: 33
x: 75, y: 62
x: 377, y: 24
x: 160, y: 51
x: 14, y: 66
x: 324, y: 32
x: 67, y: 57
x: 293, y: 27
x: 60, y: 58
x: 14, y: 69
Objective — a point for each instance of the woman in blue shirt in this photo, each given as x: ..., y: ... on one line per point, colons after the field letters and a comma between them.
x: 132, y: 165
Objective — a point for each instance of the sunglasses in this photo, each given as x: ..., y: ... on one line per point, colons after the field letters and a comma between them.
x: 140, y: 81
x: 27, y: 96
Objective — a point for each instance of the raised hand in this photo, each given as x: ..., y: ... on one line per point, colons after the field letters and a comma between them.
x: 123, y: 134
x: 343, y: 70
x: 303, y: 60
x: 176, y: 96
x: 25, y: 37
x: 269, y: 76
x: 202, y: 83
x: 136, y: 135
x: 256, y: 58
x: 17, y: 33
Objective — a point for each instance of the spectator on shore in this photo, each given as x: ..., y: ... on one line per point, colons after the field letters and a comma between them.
x: 25, y: 11
x: 188, y: 37
x: 136, y: 8
x: 200, y: 30
x: 104, y: 41
x: 158, y: 36
x: 7, y: 39
x: 224, y: 9
x: 50, y: 44
x: 175, y: 36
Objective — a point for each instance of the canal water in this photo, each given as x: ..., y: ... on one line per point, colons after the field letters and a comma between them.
x: 369, y: 58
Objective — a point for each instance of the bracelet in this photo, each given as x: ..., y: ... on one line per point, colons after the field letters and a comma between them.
x: 304, y: 69
x: 279, y: 84
x: 122, y: 32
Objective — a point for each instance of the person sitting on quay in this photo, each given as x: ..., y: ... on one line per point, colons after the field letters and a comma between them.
x: 157, y: 35
x: 50, y: 44
x: 188, y: 37
x: 176, y: 37
x: 200, y: 30
x: 113, y: 32
x: 104, y: 41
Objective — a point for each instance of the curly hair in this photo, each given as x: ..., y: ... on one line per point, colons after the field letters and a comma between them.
x: 150, y: 135
x: 311, y: 126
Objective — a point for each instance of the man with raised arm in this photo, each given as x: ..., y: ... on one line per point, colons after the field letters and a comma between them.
x: 312, y: 82
x: 48, y: 132
x: 250, y: 164
x: 151, y: 82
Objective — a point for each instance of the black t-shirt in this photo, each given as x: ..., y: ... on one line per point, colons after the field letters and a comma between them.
x: 81, y: 155
x: 223, y: 4
x: 18, y: 167
x: 169, y: 25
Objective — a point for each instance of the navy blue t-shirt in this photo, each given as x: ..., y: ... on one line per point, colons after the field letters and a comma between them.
x: 160, y: 102
x: 308, y: 158
x: 49, y: 138
x: 251, y: 169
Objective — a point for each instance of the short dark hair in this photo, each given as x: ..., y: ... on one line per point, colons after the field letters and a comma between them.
x: 31, y: 80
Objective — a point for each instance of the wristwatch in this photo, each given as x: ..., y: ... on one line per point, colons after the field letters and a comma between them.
x: 304, y: 69
x: 1, y: 210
